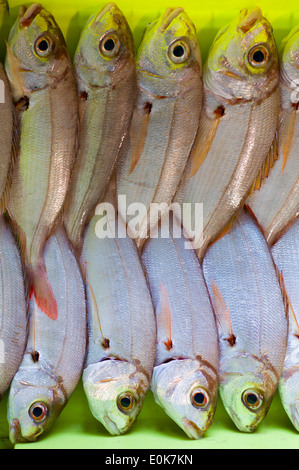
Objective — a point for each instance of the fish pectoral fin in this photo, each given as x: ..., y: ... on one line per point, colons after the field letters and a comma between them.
x: 203, y: 142
x: 266, y: 166
x: 42, y: 290
x: 222, y: 315
x: 286, y: 132
x: 164, y: 318
x: 138, y: 132
x: 290, y: 314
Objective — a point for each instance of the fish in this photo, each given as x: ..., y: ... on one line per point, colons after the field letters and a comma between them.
x: 44, y: 92
x: 7, y: 138
x: 106, y: 81
x: 248, y: 302
x: 285, y: 253
x: 275, y: 203
x: 13, y: 312
x: 119, y: 361
x: 158, y: 143
x: 185, y: 376
x: 237, y: 129
x: 54, y: 355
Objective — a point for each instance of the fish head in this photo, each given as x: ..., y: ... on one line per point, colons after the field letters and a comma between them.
x: 106, y: 48
x: 37, y: 55
x: 33, y: 408
x: 187, y: 391
x: 242, y: 63
x: 169, y: 54
x: 289, y: 58
x: 247, y: 387
x: 115, y: 392
x: 289, y: 393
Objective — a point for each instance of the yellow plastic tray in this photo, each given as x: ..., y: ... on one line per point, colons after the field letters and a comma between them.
x: 76, y: 428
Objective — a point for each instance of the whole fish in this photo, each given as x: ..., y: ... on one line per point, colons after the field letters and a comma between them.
x: 44, y: 91
x: 251, y: 317
x: 13, y: 308
x: 286, y: 256
x: 185, y: 376
x: 7, y: 138
x: 121, y: 326
x: 237, y: 125
x: 55, y: 351
x: 106, y: 80
x: 276, y: 204
x: 169, y: 95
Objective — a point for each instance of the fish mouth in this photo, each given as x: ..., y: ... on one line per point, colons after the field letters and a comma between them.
x: 231, y: 74
x: 27, y: 15
x: 15, y: 433
x: 191, y: 429
x: 105, y: 9
x: 111, y: 426
x: 249, y: 19
x: 169, y: 15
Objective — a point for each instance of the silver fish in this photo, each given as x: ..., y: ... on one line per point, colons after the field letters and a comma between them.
x: 286, y: 256
x: 106, y: 80
x: 155, y: 152
x: 237, y: 125
x: 44, y: 91
x: 276, y: 203
x: 185, y: 376
x: 13, y: 308
x: 251, y: 317
x: 55, y: 350
x: 121, y: 327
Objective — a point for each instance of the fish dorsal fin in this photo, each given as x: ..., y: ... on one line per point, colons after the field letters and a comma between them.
x: 164, y: 317
x: 266, y: 167
x: 138, y: 132
x: 105, y: 341
x: 222, y: 315
x: 204, y: 140
x: 286, y: 134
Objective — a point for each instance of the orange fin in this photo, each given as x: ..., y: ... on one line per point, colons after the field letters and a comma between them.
x: 164, y: 317
x: 42, y: 290
x: 285, y: 297
x: 203, y: 141
x: 266, y: 167
x: 286, y: 131
x: 138, y: 132
x: 222, y: 314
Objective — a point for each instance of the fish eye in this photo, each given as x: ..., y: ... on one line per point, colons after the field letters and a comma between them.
x: 199, y: 398
x: 178, y: 52
x: 125, y: 401
x: 258, y: 55
x: 109, y: 45
x: 38, y: 411
x: 252, y: 399
x: 44, y: 46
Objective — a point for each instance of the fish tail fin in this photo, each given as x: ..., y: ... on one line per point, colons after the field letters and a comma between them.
x: 40, y: 287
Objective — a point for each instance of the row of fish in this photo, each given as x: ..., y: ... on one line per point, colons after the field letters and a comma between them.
x: 157, y: 130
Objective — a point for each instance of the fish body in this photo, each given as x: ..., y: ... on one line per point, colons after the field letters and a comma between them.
x: 237, y: 125
x: 44, y: 91
x: 121, y: 328
x: 106, y: 82
x: 53, y: 360
x: 6, y: 136
x: 276, y: 203
x: 185, y: 376
x: 286, y: 256
x: 13, y: 308
x: 251, y: 318
x: 169, y: 95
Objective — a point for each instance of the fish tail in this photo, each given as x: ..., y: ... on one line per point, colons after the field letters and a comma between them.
x: 40, y: 287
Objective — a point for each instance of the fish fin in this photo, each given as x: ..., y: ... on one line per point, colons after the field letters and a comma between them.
x: 222, y: 314
x: 138, y: 132
x: 203, y: 142
x: 248, y: 209
x: 290, y: 314
x: 266, y: 166
x: 105, y: 341
x: 225, y: 230
x: 286, y: 131
x: 285, y: 297
x: 41, y: 288
x: 164, y: 317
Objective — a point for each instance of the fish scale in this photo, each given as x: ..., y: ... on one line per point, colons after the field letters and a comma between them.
x: 6, y: 137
